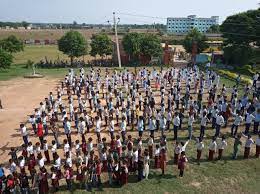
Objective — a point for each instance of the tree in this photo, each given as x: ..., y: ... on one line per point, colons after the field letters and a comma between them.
x: 101, y: 45
x: 151, y: 45
x: 6, y: 59
x: 132, y: 45
x: 237, y: 29
x: 73, y: 44
x: 12, y: 44
x: 214, y: 29
x: 24, y: 24
x: 194, y: 36
x: 240, y: 31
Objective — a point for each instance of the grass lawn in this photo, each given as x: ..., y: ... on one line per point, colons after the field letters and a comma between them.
x: 224, y: 176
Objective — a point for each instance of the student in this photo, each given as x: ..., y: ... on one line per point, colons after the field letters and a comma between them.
x: 46, y: 152
x: 248, y: 144
x: 140, y: 168
x: 212, y: 148
x: 219, y: 122
x: 203, y: 124
x: 257, y: 149
x: 190, y: 123
x: 98, y: 172
x: 249, y: 118
x: 123, y: 129
x: 152, y: 125
x: 257, y: 119
x: 236, y: 123
x: 200, y: 146
x: 67, y: 130
x: 176, y: 124
x: 221, y: 146
x: 150, y: 146
x: 24, y: 133
x: 111, y: 126
x: 182, y: 163
x: 98, y: 127
x: 124, y: 173
x: 140, y: 126
x: 236, y: 147
x: 177, y: 151
x: 1, y: 106
x: 146, y: 164
x: 32, y: 120
x: 110, y: 170
x: 54, y: 179
x: 163, y: 160
x: 156, y: 156
x: 68, y: 176
x: 43, y: 181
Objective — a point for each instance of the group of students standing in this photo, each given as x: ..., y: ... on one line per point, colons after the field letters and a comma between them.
x: 163, y: 103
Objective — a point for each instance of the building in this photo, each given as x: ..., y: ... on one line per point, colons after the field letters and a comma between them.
x: 184, y: 25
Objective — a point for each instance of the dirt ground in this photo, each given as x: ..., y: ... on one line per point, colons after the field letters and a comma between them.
x: 19, y: 98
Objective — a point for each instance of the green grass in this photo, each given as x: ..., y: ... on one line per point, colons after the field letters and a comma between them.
x: 18, y: 71
x: 36, y: 53
x: 223, y: 176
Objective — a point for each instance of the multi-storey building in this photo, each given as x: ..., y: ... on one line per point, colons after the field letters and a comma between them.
x: 184, y: 25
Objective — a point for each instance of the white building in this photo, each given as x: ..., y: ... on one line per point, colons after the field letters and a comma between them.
x: 184, y: 25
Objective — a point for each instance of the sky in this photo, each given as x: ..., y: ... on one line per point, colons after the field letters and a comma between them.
x: 100, y: 11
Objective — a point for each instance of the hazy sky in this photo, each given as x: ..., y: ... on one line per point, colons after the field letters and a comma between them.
x: 99, y: 11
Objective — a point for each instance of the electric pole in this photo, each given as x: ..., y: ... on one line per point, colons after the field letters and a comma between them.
x: 117, y: 43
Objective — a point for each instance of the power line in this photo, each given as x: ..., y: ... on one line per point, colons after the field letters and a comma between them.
x: 145, y: 16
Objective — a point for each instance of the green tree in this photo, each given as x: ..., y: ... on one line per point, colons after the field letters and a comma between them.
x: 151, y: 45
x: 214, y: 29
x: 240, y: 31
x: 132, y: 45
x: 237, y: 29
x: 6, y: 59
x: 101, y: 45
x: 194, y: 36
x: 24, y: 24
x: 12, y: 44
x: 73, y: 44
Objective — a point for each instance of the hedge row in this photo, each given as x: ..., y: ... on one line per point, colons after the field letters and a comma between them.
x: 233, y: 76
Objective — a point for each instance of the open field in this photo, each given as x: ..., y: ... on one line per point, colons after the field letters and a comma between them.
x: 21, y: 96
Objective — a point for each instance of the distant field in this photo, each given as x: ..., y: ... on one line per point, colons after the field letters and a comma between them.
x: 43, y: 34
x: 40, y: 52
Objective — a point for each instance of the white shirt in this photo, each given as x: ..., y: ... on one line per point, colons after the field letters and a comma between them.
x: 54, y: 148
x: 111, y: 126
x: 176, y: 121
x: 220, y: 120
x: 200, y: 146
x: 24, y: 131
x: 57, y: 163
x: 190, y: 120
x: 249, y: 142
x: 249, y: 118
x: 82, y: 126
x: 66, y: 148
x: 98, y: 126
x: 41, y: 162
x: 123, y: 126
x: 238, y: 120
x: 30, y: 149
x: 222, y: 145
x: 204, y: 121
x: 12, y: 167
x: 213, y: 146
x: 183, y: 148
